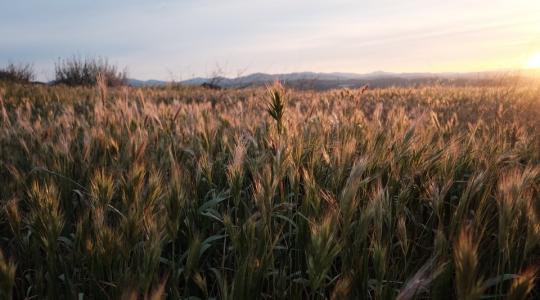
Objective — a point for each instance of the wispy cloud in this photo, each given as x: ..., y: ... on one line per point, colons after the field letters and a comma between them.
x: 188, y: 38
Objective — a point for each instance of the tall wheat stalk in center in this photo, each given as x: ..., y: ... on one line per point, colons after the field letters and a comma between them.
x: 276, y: 104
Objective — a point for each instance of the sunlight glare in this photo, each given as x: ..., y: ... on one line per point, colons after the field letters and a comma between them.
x: 534, y: 61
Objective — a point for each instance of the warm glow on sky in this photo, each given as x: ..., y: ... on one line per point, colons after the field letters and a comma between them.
x: 534, y: 61
x: 166, y: 39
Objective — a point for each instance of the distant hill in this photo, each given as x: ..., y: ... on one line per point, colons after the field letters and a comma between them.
x: 313, y: 80
x: 141, y: 83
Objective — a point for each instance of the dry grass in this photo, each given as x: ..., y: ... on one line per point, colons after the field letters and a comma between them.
x: 265, y: 193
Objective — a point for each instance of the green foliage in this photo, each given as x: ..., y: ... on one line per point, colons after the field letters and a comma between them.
x: 276, y: 105
x: 181, y: 192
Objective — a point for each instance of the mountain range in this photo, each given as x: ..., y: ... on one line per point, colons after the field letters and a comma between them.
x: 313, y: 80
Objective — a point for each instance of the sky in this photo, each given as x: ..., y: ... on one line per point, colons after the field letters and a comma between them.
x: 177, y: 40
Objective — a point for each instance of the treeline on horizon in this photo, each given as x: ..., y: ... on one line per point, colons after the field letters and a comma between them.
x: 89, y: 71
x: 74, y: 71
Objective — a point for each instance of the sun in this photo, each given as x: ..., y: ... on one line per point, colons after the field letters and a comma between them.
x: 534, y: 61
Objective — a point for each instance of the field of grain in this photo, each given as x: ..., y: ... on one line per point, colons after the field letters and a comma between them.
x: 176, y: 192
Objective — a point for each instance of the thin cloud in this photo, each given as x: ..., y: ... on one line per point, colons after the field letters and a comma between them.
x: 153, y: 38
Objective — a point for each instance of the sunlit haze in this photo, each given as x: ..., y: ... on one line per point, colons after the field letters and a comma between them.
x: 534, y: 61
x: 182, y: 39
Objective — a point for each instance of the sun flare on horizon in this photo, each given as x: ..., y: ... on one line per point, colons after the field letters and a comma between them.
x: 534, y: 61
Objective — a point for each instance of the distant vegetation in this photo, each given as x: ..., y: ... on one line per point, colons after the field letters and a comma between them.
x: 193, y: 193
x: 90, y: 71
x: 77, y: 71
x: 328, y: 81
x: 22, y: 73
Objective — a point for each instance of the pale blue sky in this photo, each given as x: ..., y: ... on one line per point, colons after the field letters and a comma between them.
x: 180, y: 39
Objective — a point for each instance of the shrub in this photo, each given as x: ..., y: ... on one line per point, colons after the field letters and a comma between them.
x: 77, y: 71
x: 22, y: 73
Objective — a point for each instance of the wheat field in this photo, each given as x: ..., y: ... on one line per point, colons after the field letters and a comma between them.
x: 269, y: 193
